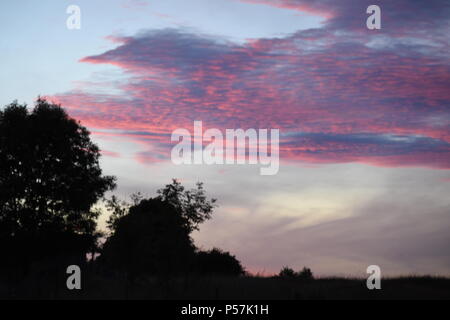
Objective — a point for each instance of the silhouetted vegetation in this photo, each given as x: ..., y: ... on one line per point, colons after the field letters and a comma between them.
x: 218, y: 262
x: 152, y: 236
x: 100, y: 286
x: 289, y: 273
x: 193, y: 205
x: 151, y: 239
x: 50, y: 179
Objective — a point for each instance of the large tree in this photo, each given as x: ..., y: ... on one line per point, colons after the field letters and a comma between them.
x: 50, y: 178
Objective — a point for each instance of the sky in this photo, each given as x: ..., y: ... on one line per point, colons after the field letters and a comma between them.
x: 364, y: 116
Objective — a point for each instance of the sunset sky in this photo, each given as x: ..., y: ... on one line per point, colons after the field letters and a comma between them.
x: 364, y: 116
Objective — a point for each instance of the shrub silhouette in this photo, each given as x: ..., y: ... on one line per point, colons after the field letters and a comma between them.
x: 289, y: 273
x: 218, y: 262
x: 305, y: 274
x: 50, y: 177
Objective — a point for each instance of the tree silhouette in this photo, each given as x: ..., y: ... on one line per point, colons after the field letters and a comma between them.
x: 153, y: 236
x: 49, y: 180
x: 150, y: 239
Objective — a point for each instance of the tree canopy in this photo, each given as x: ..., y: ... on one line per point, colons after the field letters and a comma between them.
x: 150, y: 238
x: 195, y: 208
x: 50, y: 177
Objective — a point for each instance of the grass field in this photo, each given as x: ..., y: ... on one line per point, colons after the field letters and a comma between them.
x: 100, y: 287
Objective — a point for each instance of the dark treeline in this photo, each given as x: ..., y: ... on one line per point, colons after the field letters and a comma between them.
x: 50, y: 180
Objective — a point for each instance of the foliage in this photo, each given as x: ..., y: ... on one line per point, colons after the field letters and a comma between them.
x: 150, y: 239
x: 193, y: 204
x: 218, y: 262
x: 49, y: 180
x: 289, y: 273
x: 119, y: 208
x: 305, y: 274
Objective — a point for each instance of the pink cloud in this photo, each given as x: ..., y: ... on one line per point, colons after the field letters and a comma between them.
x: 383, y: 106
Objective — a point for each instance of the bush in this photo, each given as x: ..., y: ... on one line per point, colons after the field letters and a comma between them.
x: 218, y: 262
x: 289, y: 273
x: 305, y: 274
